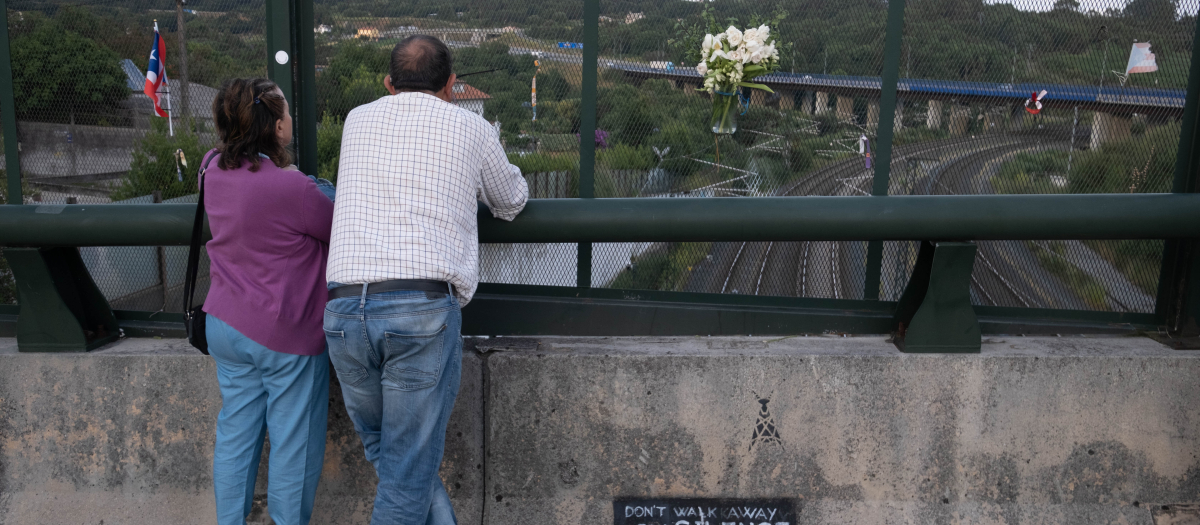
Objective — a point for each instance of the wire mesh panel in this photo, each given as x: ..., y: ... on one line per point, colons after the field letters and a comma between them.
x: 655, y: 137
x: 1045, y: 96
x: 8, y: 284
x: 499, y: 49
x: 89, y: 134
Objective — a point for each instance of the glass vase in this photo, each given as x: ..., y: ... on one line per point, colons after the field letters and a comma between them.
x: 725, y: 111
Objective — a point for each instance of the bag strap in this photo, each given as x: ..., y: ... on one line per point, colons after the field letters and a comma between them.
x: 193, y: 267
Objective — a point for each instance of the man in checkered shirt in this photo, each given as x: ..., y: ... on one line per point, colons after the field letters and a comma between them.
x: 403, y: 258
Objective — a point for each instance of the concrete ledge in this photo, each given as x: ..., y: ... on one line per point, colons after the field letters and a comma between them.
x: 549, y: 430
x: 124, y: 435
x: 1034, y: 430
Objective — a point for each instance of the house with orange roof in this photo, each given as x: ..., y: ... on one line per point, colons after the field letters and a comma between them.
x: 470, y: 98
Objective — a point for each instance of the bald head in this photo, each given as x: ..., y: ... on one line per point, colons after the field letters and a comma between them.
x: 420, y: 63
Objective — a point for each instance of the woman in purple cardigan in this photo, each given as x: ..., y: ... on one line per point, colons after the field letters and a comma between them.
x: 270, y: 226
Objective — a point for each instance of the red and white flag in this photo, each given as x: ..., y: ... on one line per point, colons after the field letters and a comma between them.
x: 1141, y: 60
x: 156, y: 72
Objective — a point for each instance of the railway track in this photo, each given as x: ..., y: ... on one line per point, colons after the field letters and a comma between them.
x: 822, y: 268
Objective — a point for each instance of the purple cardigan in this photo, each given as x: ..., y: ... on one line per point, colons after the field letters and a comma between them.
x: 270, y: 242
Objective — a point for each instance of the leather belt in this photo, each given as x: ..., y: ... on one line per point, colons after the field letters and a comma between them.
x: 395, y: 285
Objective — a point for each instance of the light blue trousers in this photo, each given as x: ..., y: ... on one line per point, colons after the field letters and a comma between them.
x: 266, y: 391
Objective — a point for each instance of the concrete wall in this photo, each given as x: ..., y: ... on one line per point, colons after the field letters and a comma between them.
x: 550, y: 430
x: 125, y: 436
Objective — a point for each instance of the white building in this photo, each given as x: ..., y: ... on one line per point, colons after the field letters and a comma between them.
x: 469, y: 97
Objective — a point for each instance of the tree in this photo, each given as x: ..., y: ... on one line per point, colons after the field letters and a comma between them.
x: 1066, y: 5
x: 57, y: 73
x: 1152, y: 11
x: 354, y: 77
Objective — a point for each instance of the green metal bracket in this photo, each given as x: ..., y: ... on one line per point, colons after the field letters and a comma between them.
x: 934, y: 315
x: 61, y: 308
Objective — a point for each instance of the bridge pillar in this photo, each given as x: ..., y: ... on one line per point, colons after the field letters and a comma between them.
x: 898, y: 123
x: 873, y: 114
x: 758, y: 97
x: 787, y: 99
x: 1107, y: 127
x: 822, y: 104
x: 845, y: 107
x: 806, y: 102
x: 933, y: 116
x: 960, y: 119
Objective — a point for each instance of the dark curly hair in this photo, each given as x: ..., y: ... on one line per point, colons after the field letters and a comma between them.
x: 245, y: 112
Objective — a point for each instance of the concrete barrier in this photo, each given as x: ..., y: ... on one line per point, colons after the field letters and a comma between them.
x: 124, y: 436
x: 551, y: 430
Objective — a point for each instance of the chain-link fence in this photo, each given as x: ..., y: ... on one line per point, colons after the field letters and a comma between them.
x: 1044, y: 96
x: 89, y: 134
x: 971, y: 118
x: 501, y: 52
x: 1022, y: 97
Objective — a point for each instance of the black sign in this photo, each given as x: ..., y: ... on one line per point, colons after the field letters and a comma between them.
x: 702, y: 511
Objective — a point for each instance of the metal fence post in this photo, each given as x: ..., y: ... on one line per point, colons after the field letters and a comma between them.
x: 1174, y: 305
x: 291, y: 63
x: 8, y: 112
x: 279, y: 47
x: 587, y: 127
x: 883, y: 141
x: 305, y: 98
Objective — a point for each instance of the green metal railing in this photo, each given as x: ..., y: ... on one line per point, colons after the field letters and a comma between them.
x: 60, y: 308
x: 930, y: 218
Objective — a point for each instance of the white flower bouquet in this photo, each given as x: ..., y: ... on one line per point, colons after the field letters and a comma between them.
x: 728, y: 61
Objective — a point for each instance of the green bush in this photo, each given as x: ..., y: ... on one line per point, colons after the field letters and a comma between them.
x: 153, y: 168
x: 1142, y: 164
x: 1031, y: 173
x: 329, y: 147
x: 625, y: 157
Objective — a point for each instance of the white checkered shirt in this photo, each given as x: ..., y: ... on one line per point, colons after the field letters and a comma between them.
x: 411, y: 169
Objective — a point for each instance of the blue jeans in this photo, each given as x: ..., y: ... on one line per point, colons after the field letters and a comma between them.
x: 326, y: 187
x: 398, y: 356
x: 266, y: 391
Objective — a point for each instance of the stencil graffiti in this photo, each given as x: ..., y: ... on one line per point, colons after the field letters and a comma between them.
x: 697, y: 511
x: 764, y: 427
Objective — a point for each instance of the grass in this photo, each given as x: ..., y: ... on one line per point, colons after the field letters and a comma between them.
x: 664, y: 269
x: 1052, y: 256
x: 1139, y: 260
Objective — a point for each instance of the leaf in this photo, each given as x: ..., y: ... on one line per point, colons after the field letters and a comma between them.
x: 756, y: 86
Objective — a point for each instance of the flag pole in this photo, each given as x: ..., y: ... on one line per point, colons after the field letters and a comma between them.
x: 166, y: 83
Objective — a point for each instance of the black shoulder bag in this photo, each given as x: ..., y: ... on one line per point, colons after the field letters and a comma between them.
x: 194, y: 317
